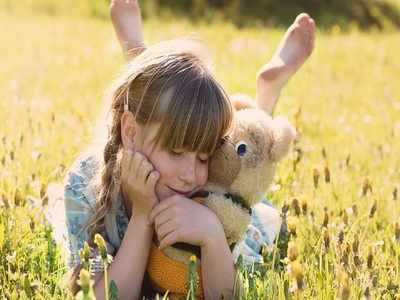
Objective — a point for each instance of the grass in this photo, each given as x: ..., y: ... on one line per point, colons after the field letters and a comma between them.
x: 345, y: 103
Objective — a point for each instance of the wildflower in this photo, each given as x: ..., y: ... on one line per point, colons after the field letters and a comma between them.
x: 348, y: 160
x: 367, y: 294
x: 340, y: 237
x: 304, y: 207
x: 315, y: 177
x: 297, y: 115
x: 370, y: 258
x: 374, y: 279
x: 84, y: 255
x: 285, y: 208
x: 18, y: 198
x: 345, y: 256
x: 296, y: 206
x: 299, y: 154
x: 326, y: 220
x: 326, y: 239
x: 394, y: 193
x: 43, y: 194
x: 86, y: 284
x: 366, y: 186
x: 324, y: 153
x: 372, y: 210
x: 293, y: 251
x: 397, y: 231
x: 192, y: 278
x: 292, y: 224
x: 327, y: 174
x: 345, y: 217
x: 344, y: 285
x: 357, y: 260
x: 296, y: 272
x: 266, y: 252
x: 312, y: 215
x: 101, y: 244
x: 356, y: 243
x: 354, y: 208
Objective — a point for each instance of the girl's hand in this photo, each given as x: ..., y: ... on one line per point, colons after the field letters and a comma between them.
x: 180, y: 219
x: 138, y: 179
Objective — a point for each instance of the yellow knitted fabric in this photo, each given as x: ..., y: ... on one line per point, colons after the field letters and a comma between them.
x: 167, y: 274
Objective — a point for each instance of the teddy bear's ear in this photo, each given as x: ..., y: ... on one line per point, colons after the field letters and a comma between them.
x: 283, y: 134
x: 242, y: 101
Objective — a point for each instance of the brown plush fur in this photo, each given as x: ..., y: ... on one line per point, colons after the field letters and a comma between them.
x: 248, y: 176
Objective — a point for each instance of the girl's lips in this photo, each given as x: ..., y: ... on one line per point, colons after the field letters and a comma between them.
x: 187, y: 194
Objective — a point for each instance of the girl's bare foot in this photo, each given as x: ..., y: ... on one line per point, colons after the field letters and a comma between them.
x: 294, y: 48
x: 127, y: 21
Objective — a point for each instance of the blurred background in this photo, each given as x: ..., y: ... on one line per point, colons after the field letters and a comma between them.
x: 339, y: 185
x: 364, y: 14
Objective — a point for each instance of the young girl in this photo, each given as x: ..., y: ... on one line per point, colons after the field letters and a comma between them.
x: 168, y: 115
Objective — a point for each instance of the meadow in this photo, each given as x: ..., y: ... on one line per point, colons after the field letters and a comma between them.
x: 339, y: 187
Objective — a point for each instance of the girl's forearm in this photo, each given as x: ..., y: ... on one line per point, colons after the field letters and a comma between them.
x: 129, y: 265
x: 218, y: 270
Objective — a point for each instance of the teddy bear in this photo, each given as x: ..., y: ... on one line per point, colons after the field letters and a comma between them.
x: 240, y: 172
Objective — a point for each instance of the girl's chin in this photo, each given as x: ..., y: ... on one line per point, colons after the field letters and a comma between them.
x: 163, y: 194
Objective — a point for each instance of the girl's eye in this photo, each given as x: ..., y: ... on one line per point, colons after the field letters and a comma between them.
x: 176, y: 153
x: 203, y: 160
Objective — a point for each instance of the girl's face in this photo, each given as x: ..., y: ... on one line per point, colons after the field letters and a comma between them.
x: 181, y: 172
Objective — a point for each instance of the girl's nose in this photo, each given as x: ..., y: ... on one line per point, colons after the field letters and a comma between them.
x: 188, y: 172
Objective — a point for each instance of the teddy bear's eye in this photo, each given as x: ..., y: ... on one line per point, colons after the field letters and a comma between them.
x: 241, y: 148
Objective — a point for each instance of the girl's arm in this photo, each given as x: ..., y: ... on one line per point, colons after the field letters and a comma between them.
x: 130, y: 262
x: 218, y: 270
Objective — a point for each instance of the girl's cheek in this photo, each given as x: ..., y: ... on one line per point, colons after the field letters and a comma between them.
x: 203, y: 174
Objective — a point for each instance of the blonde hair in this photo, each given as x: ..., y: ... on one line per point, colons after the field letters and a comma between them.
x: 196, y: 115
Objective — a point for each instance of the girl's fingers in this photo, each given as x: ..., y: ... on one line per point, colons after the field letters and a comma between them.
x: 152, y: 178
x: 161, y: 218
x: 126, y: 161
x: 163, y: 205
x: 169, y: 240
x: 165, y: 229
x: 137, y: 162
x: 145, y: 170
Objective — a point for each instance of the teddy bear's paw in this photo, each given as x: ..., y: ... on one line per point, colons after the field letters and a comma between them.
x: 234, y: 218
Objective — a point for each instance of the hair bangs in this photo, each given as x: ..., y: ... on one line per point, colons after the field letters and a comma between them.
x: 199, y: 114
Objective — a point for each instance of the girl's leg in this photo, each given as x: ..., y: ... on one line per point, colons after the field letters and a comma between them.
x: 127, y: 22
x: 294, y: 48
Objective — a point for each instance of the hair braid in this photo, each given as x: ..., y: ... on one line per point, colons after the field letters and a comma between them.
x: 110, y: 176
